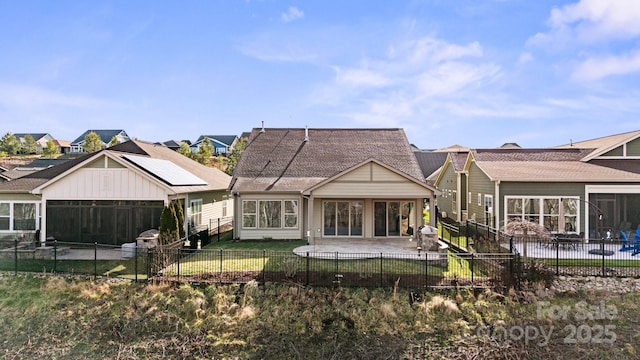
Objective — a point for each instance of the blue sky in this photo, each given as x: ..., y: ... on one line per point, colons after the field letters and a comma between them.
x: 470, y: 72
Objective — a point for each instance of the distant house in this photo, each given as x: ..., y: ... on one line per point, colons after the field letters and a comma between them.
x: 580, y: 188
x: 112, y: 195
x: 40, y: 138
x: 77, y: 146
x: 171, y: 144
x: 222, y: 144
x: 329, y: 184
x: 63, y: 145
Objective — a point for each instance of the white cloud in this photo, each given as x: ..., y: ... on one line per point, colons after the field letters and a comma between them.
x: 524, y: 58
x: 360, y: 77
x: 591, y: 21
x: 597, y: 68
x: 293, y: 13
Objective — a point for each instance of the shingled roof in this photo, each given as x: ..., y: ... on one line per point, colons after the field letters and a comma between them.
x: 216, y: 179
x: 281, y: 160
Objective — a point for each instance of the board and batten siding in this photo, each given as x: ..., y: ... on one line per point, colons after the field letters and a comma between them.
x: 447, y: 182
x: 371, y: 180
x: 104, y: 184
x: 479, y: 183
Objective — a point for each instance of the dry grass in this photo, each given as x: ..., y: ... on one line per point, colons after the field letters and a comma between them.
x: 46, y: 317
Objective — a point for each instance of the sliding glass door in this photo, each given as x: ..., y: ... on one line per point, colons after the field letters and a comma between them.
x: 342, y: 218
x: 393, y: 218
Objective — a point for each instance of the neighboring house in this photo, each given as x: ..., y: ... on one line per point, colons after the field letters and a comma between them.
x: 328, y: 184
x: 40, y: 138
x: 77, y: 146
x: 171, y: 144
x: 222, y: 144
x: 430, y: 162
x: 582, y: 188
x: 63, y: 145
x: 112, y: 195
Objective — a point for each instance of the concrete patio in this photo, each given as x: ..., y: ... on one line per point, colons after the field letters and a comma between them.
x: 365, y: 248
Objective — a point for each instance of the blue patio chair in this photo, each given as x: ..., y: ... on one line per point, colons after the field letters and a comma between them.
x: 636, y: 243
x: 625, y: 241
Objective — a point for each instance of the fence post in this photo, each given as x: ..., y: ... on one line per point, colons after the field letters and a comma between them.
x: 178, y: 265
x: 264, y: 263
x: 466, y: 234
x: 381, y: 269
x: 220, y: 277
x: 471, y: 269
x: 135, y: 263
x: 218, y: 229
x: 426, y: 268
x: 55, y: 256
x: 149, y: 263
x: 602, y: 251
x: 306, y: 282
x: 95, y: 260
x: 15, y: 256
x: 557, y: 258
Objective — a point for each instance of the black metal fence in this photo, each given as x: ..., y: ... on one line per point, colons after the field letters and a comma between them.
x: 184, y: 264
x: 561, y: 254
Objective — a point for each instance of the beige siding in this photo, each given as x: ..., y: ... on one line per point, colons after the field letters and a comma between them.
x: 382, y: 183
x: 212, y: 205
x: 93, y: 183
x: 18, y: 197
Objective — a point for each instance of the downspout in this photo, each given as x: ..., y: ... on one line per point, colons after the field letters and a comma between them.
x: 496, y: 205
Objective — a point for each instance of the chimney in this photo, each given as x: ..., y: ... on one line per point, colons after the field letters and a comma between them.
x: 306, y: 133
x: 262, y: 130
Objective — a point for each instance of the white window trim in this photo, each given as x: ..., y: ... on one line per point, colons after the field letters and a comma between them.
x: 12, y: 219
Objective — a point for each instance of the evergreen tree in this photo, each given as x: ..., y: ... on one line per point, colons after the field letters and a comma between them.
x: 9, y: 144
x: 168, y: 225
x: 205, y: 152
x: 51, y: 150
x: 179, y: 212
x: 92, y: 142
x: 114, y: 141
x: 30, y: 146
x: 185, y: 150
x: 235, y: 154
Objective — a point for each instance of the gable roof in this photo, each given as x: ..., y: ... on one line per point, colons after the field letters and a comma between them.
x: 279, y: 159
x: 36, y: 136
x: 223, y: 139
x: 603, y: 144
x: 105, y: 135
x: 214, y: 178
x: 430, y: 161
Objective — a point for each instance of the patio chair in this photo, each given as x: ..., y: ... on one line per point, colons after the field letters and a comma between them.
x: 625, y: 241
x: 636, y: 243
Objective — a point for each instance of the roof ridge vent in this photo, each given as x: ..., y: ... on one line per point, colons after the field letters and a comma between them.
x: 306, y: 133
x: 262, y: 130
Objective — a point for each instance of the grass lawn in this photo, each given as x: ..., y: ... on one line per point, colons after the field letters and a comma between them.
x: 112, y: 268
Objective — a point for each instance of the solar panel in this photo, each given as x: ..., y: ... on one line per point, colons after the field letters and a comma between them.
x: 167, y: 171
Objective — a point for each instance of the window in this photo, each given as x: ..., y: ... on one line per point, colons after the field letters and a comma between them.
x: 479, y: 199
x: 342, y: 218
x: 454, y: 201
x: 488, y: 210
x: 24, y: 216
x: 249, y: 214
x: 270, y: 214
x: 469, y: 199
x: 224, y: 205
x: 5, y: 216
x: 554, y: 213
x: 19, y: 216
x: 195, y: 211
x: 290, y: 214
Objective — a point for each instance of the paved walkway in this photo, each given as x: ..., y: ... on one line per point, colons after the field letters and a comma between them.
x: 362, y: 248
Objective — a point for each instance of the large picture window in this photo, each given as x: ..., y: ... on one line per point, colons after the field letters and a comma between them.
x: 270, y: 214
x: 342, y: 218
x: 18, y: 216
x: 554, y: 213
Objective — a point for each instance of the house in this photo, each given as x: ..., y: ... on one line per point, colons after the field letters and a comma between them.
x: 40, y: 138
x: 330, y: 184
x: 112, y: 195
x: 77, y: 146
x: 171, y: 144
x: 63, y: 145
x: 580, y: 188
x: 222, y: 144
